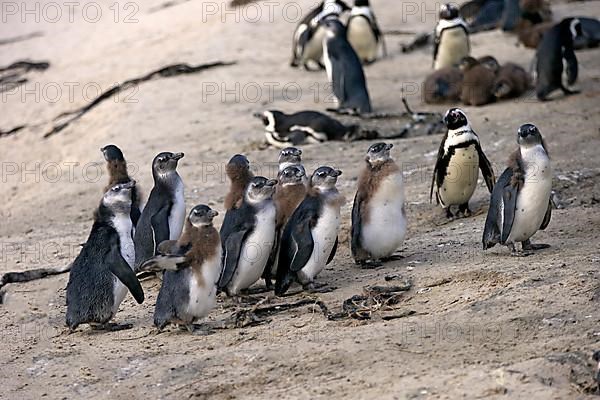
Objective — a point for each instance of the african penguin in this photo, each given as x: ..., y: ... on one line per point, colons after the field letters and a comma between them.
x: 238, y: 172
x: 102, y: 273
x: 117, y: 173
x: 456, y: 169
x: 511, y: 81
x: 164, y: 214
x: 478, y: 82
x: 364, y: 34
x: 309, y: 239
x: 520, y: 203
x: 344, y: 71
x: 192, y: 267
x: 291, y: 156
x: 378, y: 214
x: 451, y: 34
x: 443, y: 85
x: 248, y: 236
x: 556, y: 45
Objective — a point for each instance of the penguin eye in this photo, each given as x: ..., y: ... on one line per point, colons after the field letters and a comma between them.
x: 116, y: 189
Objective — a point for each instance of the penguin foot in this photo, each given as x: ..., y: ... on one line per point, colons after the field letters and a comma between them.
x: 201, y: 330
x: 111, y: 327
x: 527, y: 245
x: 464, y: 210
x: 449, y: 214
x: 569, y: 92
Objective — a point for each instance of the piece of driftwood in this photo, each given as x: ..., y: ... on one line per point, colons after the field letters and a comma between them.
x: 374, y: 299
x: 13, y: 75
x: 20, y: 38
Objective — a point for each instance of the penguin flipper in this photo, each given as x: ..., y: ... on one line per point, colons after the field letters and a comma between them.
x: 494, y: 219
x: 163, y: 262
x: 231, y: 256
x: 172, y: 247
x: 119, y: 268
x: 572, y: 68
x: 159, y: 223
x: 333, y: 251
x: 547, y: 216
x: 486, y: 169
x: 356, y: 225
x: 438, y: 170
x: 303, y: 243
x: 509, y: 198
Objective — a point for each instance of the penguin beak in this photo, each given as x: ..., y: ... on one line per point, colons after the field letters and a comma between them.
x: 257, y: 115
x: 271, y: 182
x: 300, y: 173
x: 128, y: 185
x: 389, y: 146
x: 336, y: 172
x: 177, y: 156
x: 212, y: 213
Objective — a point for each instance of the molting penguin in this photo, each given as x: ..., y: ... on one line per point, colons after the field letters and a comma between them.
x: 478, y: 82
x: 520, y: 203
x: 556, y: 45
x: 456, y: 169
x: 511, y: 81
x: 451, y: 38
x: 117, y: 173
x: 238, y: 172
x: 164, y: 214
x: 103, y: 271
x: 378, y: 214
x: 291, y: 156
x: 309, y: 239
x: 192, y: 267
x: 344, y: 71
x: 443, y: 85
x: 248, y: 236
x: 363, y: 32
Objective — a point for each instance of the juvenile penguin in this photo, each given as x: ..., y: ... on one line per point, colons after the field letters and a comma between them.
x: 103, y: 271
x: 344, y: 71
x: 556, y: 45
x: 443, y: 85
x: 117, y: 173
x: 164, y: 214
x: 248, y: 236
x: 192, y: 267
x: 511, y: 81
x: 291, y: 156
x: 309, y: 240
x: 238, y: 172
x: 520, y: 203
x: 459, y: 160
x: 363, y: 32
x: 378, y: 214
x: 478, y: 82
x: 451, y: 34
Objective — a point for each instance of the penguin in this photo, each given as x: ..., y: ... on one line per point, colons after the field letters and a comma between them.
x: 307, y: 43
x: 248, y: 236
x: 520, y: 204
x: 164, y: 214
x: 238, y: 172
x: 443, y: 85
x: 364, y: 34
x: 556, y: 45
x: 451, y: 35
x: 344, y: 71
x: 192, y: 266
x: 531, y: 35
x: 282, y: 129
x: 489, y: 62
x: 291, y: 157
x: 309, y: 240
x: 456, y: 170
x: 102, y: 273
x: 117, y: 173
x: 378, y: 214
x: 478, y: 82
x: 511, y: 81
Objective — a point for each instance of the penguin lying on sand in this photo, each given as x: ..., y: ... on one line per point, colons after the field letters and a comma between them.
x: 239, y: 174
x: 443, y: 85
x: 478, y: 82
x: 511, y: 81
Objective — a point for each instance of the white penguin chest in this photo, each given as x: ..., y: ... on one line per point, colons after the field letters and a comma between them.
x: 177, y: 215
x: 203, y: 294
x: 123, y: 226
x: 461, y: 177
x: 313, y: 49
x: 362, y: 38
x: 327, y: 61
x: 453, y: 47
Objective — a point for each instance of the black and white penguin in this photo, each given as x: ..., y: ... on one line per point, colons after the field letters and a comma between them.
x: 520, y: 203
x: 451, y: 35
x: 102, y: 273
x: 309, y: 240
x: 307, y: 43
x: 291, y: 157
x: 117, y: 173
x: 239, y: 174
x: 192, y: 266
x: 556, y: 45
x: 248, y: 236
x: 459, y: 160
x: 344, y: 70
x: 303, y: 127
x: 363, y: 32
x: 164, y: 214
x: 378, y: 214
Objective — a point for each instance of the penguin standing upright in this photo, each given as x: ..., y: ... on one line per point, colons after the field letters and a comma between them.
x: 309, y: 240
x: 238, y: 172
x: 192, y: 267
x: 117, y: 173
x: 344, y: 70
x: 456, y: 169
x: 451, y: 38
x: 291, y: 157
x: 103, y: 271
x: 248, y: 236
x: 363, y: 32
x: 520, y: 203
x: 556, y: 45
x: 378, y: 214
x: 164, y: 214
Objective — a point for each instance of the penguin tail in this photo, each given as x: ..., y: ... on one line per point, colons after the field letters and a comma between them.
x: 164, y: 263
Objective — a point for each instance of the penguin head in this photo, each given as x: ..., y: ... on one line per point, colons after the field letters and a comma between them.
x: 112, y: 153
x: 448, y: 11
x: 489, y: 62
x: 202, y: 215
x: 467, y: 63
x: 260, y: 189
x: 118, y: 197
x: 334, y: 27
x: 324, y: 178
x: 237, y: 167
x: 290, y: 155
x: 361, y: 3
x: 575, y: 28
x: 529, y: 135
x: 270, y: 119
x: 378, y: 153
x: 455, y: 118
x: 502, y: 88
x: 165, y: 163
x: 291, y: 175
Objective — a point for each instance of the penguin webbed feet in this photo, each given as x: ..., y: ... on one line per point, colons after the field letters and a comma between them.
x: 111, y: 327
x: 528, y: 246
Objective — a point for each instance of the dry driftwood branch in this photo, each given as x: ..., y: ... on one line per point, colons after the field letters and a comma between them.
x: 20, y: 38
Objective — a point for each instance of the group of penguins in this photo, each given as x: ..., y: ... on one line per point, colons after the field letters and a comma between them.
x: 284, y: 229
